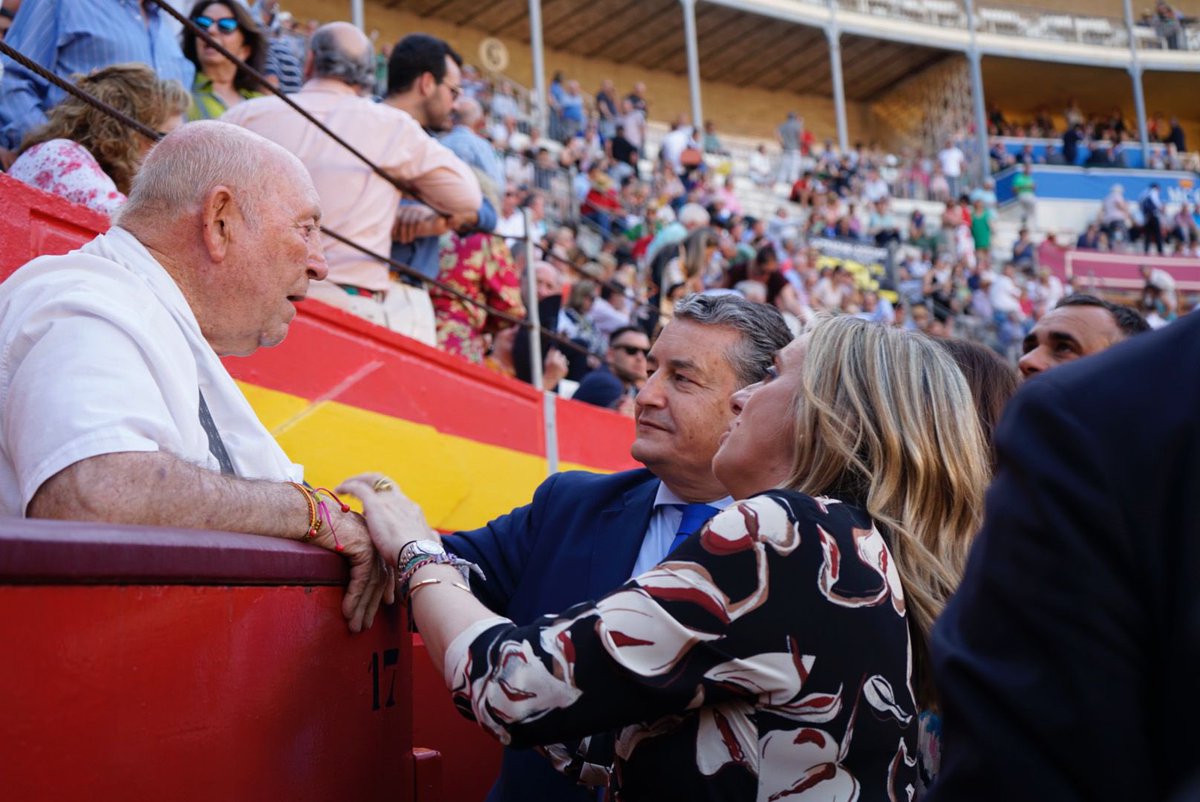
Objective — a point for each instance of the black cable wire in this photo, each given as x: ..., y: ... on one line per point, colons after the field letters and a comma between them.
x: 71, y: 89
x: 399, y: 267
x: 266, y: 85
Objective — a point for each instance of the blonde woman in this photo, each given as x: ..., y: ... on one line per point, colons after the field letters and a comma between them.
x: 781, y: 650
x: 88, y: 157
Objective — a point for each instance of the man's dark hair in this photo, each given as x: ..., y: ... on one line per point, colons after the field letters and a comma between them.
x: 616, y: 335
x: 762, y: 329
x: 1128, y: 320
x: 415, y: 55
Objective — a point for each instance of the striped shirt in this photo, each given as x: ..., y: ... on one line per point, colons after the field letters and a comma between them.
x: 78, y: 36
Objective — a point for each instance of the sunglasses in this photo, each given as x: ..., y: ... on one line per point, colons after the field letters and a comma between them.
x: 227, y: 25
x: 633, y: 350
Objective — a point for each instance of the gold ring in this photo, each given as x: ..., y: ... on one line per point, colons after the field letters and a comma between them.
x: 383, y: 485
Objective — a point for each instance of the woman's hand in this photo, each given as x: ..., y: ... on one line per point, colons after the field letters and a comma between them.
x: 393, y: 519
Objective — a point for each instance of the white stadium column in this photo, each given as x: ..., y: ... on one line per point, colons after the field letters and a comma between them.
x: 539, y: 65
x: 835, y: 68
x: 974, y: 57
x: 693, y: 61
x: 1135, y: 72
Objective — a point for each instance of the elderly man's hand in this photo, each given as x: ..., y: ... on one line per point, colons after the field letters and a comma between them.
x: 415, y: 221
x: 392, y: 517
x: 371, y: 580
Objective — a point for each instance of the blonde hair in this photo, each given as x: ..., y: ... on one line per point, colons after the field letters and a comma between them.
x: 885, y: 419
x: 134, y: 89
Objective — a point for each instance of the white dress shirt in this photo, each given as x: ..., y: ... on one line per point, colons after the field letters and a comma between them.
x: 100, y: 353
x: 664, y: 523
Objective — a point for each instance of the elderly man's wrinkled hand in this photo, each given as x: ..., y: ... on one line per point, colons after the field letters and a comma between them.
x: 392, y: 517
x: 371, y: 580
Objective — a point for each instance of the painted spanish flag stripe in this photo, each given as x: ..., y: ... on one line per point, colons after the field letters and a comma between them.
x: 460, y: 483
x: 331, y: 356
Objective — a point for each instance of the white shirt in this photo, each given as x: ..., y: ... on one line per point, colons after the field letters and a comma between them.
x: 951, y: 159
x: 100, y: 353
x: 664, y: 523
x: 1005, y: 295
x: 512, y: 228
x: 758, y: 164
x: 673, y: 145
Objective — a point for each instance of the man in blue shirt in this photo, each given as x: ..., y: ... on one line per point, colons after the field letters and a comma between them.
x: 468, y: 143
x: 78, y: 36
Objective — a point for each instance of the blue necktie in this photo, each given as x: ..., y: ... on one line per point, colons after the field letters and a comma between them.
x: 694, y: 517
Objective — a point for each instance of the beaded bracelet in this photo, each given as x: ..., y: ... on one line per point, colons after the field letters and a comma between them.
x: 464, y: 567
x: 318, y: 512
x: 314, y: 521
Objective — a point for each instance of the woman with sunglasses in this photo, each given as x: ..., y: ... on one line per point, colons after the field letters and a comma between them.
x: 220, y: 83
x: 780, y: 651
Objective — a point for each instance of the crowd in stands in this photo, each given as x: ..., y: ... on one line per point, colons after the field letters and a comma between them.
x: 619, y: 229
x: 1102, y: 138
x: 861, y: 450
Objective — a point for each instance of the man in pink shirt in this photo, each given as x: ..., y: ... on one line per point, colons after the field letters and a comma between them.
x: 358, y: 203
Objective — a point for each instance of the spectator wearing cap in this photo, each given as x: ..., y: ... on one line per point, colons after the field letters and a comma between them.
x: 615, y: 383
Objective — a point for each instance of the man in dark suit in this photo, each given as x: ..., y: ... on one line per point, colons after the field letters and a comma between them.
x: 1067, y: 660
x: 587, y: 534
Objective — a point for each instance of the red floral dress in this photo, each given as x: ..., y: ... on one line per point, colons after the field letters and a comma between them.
x: 481, y: 267
x: 66, y: 168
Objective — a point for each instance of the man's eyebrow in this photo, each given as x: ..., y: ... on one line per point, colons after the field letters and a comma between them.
x: 683, y: 363
x: 1062, y: 337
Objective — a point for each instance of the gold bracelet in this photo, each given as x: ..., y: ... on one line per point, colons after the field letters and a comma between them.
x: 426, y: 582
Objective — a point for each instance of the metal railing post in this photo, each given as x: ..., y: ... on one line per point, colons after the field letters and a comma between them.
x: 535, y: 318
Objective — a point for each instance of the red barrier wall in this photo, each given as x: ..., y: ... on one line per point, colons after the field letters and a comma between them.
x: 168, y: 664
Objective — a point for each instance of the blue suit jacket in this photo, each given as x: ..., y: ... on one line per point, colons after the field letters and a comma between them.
x: 1066, y: 661
x: 577, y: 541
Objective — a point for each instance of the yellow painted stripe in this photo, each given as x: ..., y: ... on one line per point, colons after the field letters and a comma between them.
x: 460, y: 483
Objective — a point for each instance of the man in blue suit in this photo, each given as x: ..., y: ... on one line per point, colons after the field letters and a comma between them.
x: 586, y: 534
x: 1066, y: 662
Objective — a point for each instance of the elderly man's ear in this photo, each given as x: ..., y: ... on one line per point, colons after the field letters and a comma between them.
x: 220, y: 211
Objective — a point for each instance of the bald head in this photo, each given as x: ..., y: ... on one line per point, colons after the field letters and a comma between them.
x: 468, y: 112
x: 182, y: 170
x: 341, y: 52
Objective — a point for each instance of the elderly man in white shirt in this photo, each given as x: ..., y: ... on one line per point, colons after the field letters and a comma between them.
x: 114, y: 404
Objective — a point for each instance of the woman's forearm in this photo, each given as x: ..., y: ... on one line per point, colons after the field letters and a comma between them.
x: 442, y: 610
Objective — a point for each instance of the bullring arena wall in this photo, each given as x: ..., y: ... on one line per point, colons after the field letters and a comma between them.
x: 148, y: 663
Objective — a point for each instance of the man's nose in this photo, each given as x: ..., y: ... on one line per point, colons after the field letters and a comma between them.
x: 1033, y: 363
